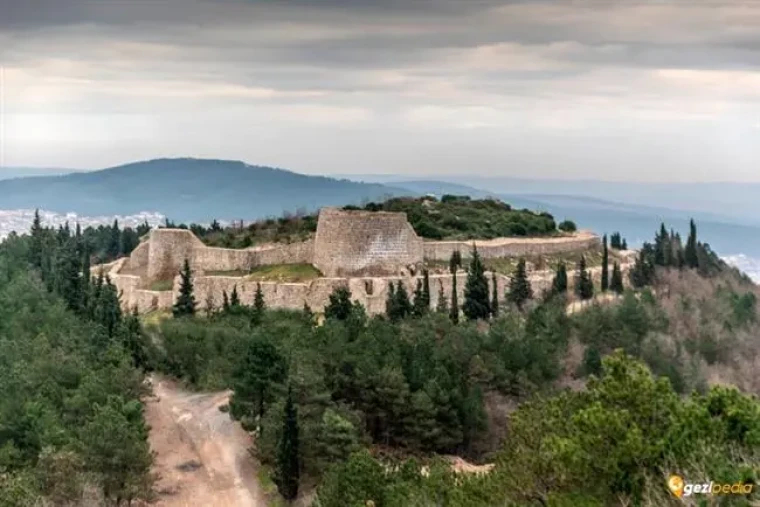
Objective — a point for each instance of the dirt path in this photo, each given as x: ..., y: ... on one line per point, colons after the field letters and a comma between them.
x: 202, y: 455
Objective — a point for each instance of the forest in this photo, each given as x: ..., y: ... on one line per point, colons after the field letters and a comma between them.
x: 591, y: 408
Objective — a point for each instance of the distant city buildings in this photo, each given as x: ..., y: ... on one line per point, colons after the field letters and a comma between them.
x: 21, y: 220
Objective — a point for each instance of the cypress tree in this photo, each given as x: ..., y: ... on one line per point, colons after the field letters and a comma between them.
x: 616, y: 282
x: 403, y: 305
x: 442, y: 306
x: 209, y: 304
x: 584, y: 286
x: 234, y: 298
x: 419, y: 307
x: 520, y: 290
x: 559, y: 283
x: 605, y: 265
x: 690, y: 252
x: 259, y: 306
x: 288, y: 472
x: 426, y: 289
x: 477, y: 304
x: 624, y: 245
x: 185, y: 304
x: 390, y: 302
x: 225, y: 302
x: 494, y: 296
x: 37, y: 247
x: 454, y: 308
x: 114, y: 243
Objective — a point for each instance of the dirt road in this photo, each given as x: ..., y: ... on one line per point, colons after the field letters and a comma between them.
x: 202, y: 455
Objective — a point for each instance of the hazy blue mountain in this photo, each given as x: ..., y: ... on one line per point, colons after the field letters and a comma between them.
x: 7, y: 173
x: 636, y: 222
x: 187, y: 190
x: 736, y: 202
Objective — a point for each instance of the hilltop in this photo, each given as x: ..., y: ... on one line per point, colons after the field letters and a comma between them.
x: 185, y: 189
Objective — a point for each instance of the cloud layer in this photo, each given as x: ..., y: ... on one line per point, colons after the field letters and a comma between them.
x: 658, y: 90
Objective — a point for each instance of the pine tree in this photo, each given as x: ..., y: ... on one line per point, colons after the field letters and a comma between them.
x: 616, y: 282
x: 559, y: 283
x: 288, y: 472
x: 185, y: 304
x: 477, y: 304
x: 605, y: 265
x: 442, y: 306
x: 340, y: 306
x: 691, y: 257
x: 624, y: 245
x: 494, y: 296
x: 584, y: 286
x: 520, y: 289
x: 615, y: 241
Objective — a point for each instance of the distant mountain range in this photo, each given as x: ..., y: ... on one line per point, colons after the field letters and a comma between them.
x: 199, y: 190
x: 187, y: 190
x: 7, y: 173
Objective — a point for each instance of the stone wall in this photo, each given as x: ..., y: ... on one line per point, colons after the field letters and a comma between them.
x: 369, y: 291
x: 511, y: 247
x: 363, y: 243
x: 168, y: 249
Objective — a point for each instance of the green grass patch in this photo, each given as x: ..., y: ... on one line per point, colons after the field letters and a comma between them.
x: 155, y: 318
x: 162, y: 285
x: 275, y: 273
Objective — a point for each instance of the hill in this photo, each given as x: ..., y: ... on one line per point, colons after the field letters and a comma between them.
x: 187, y: 190
x: 7, y: 173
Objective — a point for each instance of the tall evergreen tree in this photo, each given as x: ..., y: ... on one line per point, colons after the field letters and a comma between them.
x: 185, y: 304
x: 494, y: 295
x: 442, y: 306
x: 225, y: 302
x: 520, y: 289
x: 234, y: 298
x: 605, y: 265
x: 288, y: 473
x: 259, y: 306
x: 37, y: 247
x: 454, y: 308
x: 584, y: 286
x: 426, y: 289
x: 559, y: 283
x: 690, y: 254
x: 390, y: 302
x: 454, y: 262
x: 477, y: 304
x: 419, y: 307
x: 616, y: 282
x: 624, y: 245
x: 403, y: 305
x: 114, y: 244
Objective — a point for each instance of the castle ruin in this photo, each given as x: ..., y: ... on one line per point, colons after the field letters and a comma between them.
x: 364, y: 251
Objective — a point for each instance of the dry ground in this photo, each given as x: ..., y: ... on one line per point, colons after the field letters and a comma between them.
x: 202, y: 455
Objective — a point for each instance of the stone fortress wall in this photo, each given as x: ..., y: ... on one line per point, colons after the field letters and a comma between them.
x: 362, y: 250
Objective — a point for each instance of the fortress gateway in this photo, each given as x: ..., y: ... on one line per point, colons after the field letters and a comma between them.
x: 362, y: 250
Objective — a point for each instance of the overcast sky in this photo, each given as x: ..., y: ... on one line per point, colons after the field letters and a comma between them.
x: 618, y: 90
